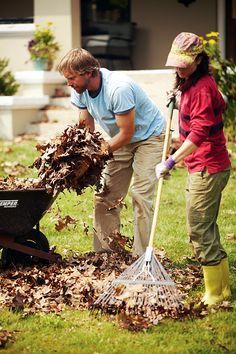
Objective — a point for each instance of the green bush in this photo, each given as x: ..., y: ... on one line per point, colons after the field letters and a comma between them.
x: 8, y: 84
x: 224, y: 72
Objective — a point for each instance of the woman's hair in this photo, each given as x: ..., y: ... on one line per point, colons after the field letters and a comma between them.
x: 203, y: 68
x: 79, y: 60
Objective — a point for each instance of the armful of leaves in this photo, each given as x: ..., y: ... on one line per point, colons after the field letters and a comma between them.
x: 73, y: 160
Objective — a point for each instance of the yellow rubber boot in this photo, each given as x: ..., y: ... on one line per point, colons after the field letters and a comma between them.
x: 225, y: 278
x: 213, y: 284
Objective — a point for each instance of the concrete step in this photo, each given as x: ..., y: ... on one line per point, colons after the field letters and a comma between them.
x: 52, y: 120
x: 61, y: 102
x: 57, y: 114
x: 46, y: 131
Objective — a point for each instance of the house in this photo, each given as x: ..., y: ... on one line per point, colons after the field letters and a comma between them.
x: 155, y: 23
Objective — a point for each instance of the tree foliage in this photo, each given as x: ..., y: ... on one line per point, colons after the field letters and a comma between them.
x: 224, y: 72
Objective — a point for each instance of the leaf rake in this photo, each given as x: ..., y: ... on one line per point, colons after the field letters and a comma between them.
x: 145, y: 283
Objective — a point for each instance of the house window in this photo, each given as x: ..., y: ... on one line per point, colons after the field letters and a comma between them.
x: 17, y: 12
x: 95, y: 12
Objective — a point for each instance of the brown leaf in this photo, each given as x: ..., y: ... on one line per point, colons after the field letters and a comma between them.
x: 231, y: 237
x: 117, y: 204
x: 5, y: 337
x: 64, y: 221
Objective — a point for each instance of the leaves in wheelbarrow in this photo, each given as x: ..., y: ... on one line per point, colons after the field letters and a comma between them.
x: 79, y: 280
x: 73, y: 160
x: 13, y: 183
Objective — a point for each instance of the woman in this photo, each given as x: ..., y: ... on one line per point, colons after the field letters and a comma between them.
x: 205, y: 155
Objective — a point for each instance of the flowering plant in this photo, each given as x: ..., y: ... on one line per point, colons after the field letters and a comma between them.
x: 224, y: 72
x: 43, y: 45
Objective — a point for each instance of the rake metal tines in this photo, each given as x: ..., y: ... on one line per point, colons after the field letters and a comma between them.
x: 144, y: 283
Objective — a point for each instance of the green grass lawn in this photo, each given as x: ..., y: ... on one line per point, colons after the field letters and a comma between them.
x: 77, y: 331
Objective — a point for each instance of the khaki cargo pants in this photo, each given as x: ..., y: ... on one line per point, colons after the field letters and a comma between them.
x: 203, y: 196
x: 134, y: 162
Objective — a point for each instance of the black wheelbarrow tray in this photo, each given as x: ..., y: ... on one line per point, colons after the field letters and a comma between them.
x: 20, y: 237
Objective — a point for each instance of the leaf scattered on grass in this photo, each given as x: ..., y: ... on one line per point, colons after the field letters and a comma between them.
x: 80, y: 279
x: 64, y: 221
x: 118, y: 242
x: 13, y: 168
x: 25, y: 137
x: 231, y: 237
x: 6, y: 149
x: 5, y: 337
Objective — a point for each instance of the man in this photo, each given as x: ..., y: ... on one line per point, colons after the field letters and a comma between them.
x: 135, y: 126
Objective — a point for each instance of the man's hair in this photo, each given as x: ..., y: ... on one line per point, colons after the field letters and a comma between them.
x: 202, y: 69
x: 79, y: 60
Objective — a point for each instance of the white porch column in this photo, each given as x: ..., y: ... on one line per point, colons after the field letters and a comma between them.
x: 221, y: 25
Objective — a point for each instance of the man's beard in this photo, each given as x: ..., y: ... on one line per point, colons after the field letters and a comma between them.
x: 80, y: 89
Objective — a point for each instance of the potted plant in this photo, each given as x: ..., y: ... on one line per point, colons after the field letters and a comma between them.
x: 43, y: 47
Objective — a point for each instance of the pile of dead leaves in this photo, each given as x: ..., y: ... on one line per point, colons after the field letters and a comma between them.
x: 73, y: 160
x: 80, y: 279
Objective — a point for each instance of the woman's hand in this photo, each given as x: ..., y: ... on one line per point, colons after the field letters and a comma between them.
x: 162, y: 169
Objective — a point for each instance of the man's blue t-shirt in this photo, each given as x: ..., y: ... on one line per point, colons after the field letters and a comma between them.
x: 119, y: 94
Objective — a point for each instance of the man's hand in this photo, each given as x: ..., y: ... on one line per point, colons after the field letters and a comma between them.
x: 162, y: 169
x: 106, y: 148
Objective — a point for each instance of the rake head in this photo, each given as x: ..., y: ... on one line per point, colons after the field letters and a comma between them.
x: 144, y: 283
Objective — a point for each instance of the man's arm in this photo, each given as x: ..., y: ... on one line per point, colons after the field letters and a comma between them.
x: 85, y: 119
x: 125, y: 123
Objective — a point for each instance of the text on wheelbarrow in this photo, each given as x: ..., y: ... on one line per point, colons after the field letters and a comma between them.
x: 11, y: 203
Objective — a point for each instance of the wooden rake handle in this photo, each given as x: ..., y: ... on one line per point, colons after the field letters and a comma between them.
x: 160, y: 181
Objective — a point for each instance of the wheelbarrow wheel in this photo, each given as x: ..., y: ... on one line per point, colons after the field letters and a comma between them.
x: 35, y: 239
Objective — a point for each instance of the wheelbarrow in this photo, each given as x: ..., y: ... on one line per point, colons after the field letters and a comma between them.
x: 20, y: 237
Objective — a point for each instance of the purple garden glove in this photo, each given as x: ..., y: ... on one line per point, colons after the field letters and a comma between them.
x: 163, y: 168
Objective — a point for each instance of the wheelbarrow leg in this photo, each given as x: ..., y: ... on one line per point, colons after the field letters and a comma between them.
x: 8, y: 241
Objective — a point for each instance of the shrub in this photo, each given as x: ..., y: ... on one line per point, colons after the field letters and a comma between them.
x: 224, y: 72
x: 8, y: 84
